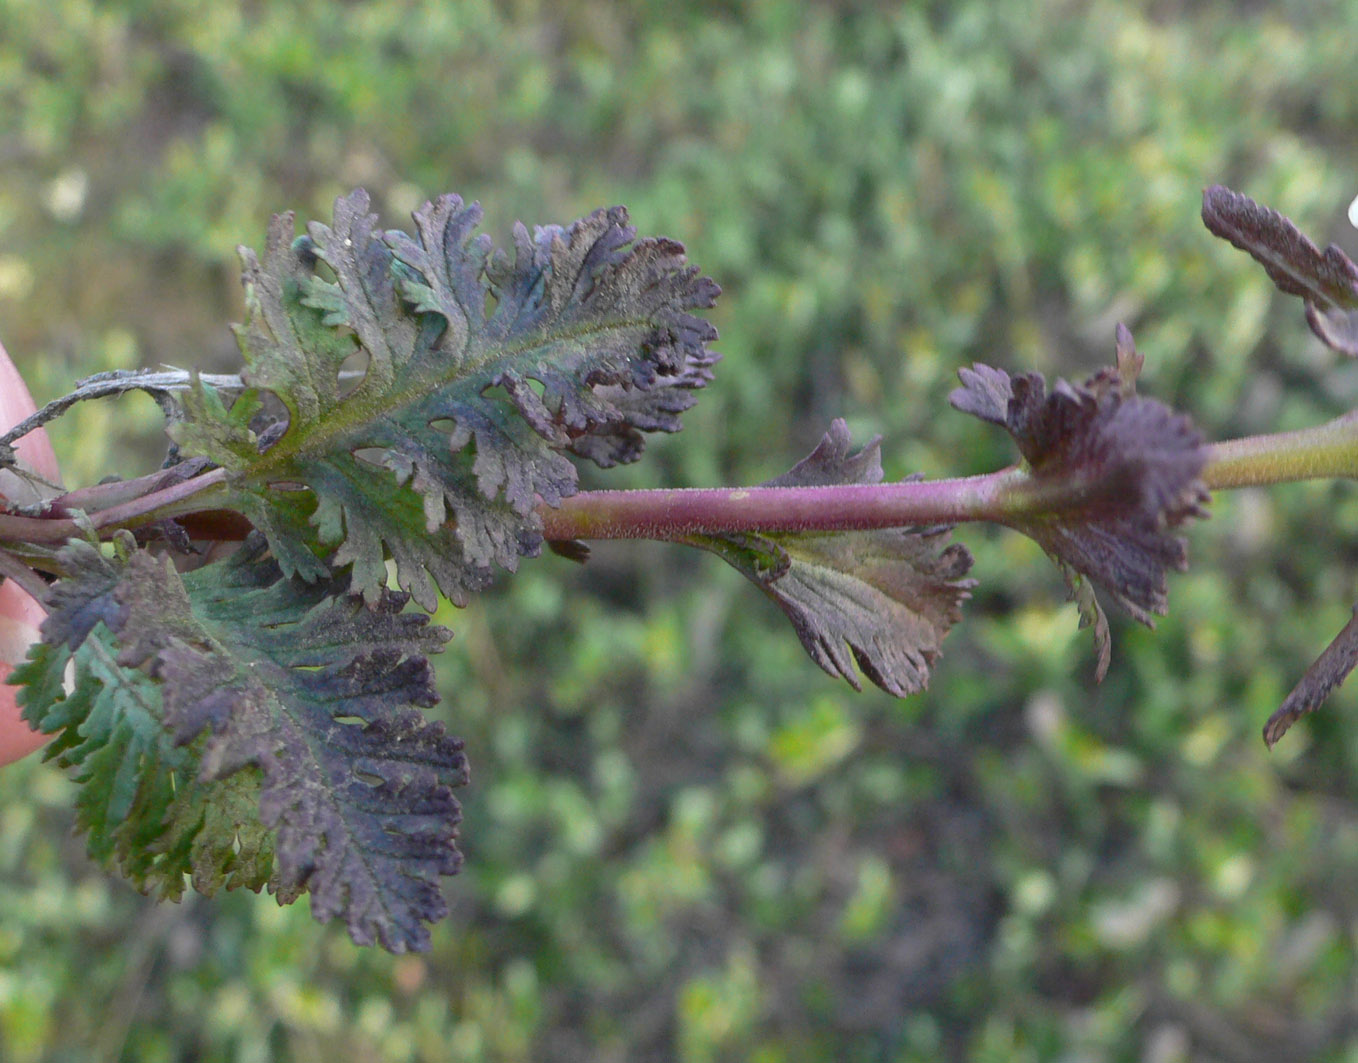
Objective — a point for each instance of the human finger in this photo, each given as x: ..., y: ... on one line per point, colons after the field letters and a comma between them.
x: 20, y: 615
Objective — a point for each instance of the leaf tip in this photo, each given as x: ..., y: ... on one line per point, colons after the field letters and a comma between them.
x: 1130, y: 361
x: 1321, y: 679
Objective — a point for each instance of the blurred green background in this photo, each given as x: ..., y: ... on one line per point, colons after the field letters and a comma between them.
x: 683, y: 841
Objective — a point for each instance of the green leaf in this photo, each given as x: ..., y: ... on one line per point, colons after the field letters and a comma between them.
x: 241, y: 726
x: 482, y: 373
x: 884, y: 599
x: 1134, y: 463
x: 138, y: 803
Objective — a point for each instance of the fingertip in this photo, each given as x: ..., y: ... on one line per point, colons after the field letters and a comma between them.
x: 20, y: 617
x: 16, y: 403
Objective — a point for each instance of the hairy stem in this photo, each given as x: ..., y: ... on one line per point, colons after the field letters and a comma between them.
x: 1003, y: 496
x: 1328, y: 451
x: 178, y: 498
x: 1325, y: 452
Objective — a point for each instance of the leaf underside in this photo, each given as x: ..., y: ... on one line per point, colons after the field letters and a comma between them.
x: 247, y: 729
x: 1139, y: 463
x: 1327, y: 280
x: 883, y: 599
x: 483, y: 374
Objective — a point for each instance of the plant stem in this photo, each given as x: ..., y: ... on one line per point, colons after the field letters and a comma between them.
x: 1006, y: 496
x: 179, y: 497
x: 1003, y: 496
x: 24, y: 577
x: 1325, y: 452
x: 1328, y: 451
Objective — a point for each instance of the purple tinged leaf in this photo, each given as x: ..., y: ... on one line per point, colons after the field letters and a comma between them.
x: 287, y: 349
x: 364, y: 295
x: 985, y: 393
x: 134, y: 804
x: 1327, y: 672
x: 109, y: 731
x: 446, y: 263
x: 882, y: 599
x: 834, y: 461
x: 1136, y: 463
x: 1327, y: 280
x: 232, y: 683
x: 75, y: 605
x: 466, y: 417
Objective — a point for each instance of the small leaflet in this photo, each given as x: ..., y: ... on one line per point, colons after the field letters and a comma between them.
x: 1327, y: 280
x: 1324, y: 676
x: 881, y: 599
x: 1137, y: 462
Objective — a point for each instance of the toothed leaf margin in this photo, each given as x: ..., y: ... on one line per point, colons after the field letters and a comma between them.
x: 881, y: 599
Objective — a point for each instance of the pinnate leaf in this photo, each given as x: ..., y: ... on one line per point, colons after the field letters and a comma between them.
x: 883, y: 599
x: 245, y: 727
x: 483, y: 372
x: 1327, y: 280
x: 109, y: 731
x: 1133, y: 465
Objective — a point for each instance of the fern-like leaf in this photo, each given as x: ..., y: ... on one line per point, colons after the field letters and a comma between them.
x: 483, y: 372
x: 244, y: 727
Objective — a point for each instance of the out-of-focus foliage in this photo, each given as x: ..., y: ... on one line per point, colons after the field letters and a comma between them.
x: 689, y: 842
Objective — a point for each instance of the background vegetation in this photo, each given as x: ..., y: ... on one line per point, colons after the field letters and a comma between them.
x: 683, y: 840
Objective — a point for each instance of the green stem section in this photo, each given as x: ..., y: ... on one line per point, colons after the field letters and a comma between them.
x: 1326, y: 452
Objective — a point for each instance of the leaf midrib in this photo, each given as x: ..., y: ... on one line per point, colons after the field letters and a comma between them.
x: 349, y: 414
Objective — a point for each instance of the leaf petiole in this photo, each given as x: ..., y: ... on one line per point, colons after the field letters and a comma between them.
x: 131, y: 507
